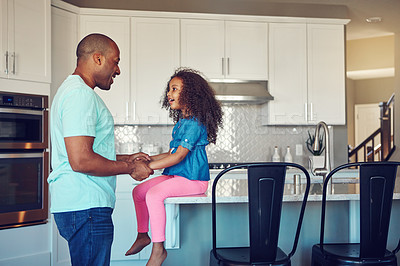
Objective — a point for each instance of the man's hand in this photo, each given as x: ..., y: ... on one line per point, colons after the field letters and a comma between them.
x: 141, y: 170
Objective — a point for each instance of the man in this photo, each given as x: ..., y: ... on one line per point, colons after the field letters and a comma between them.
x: 82, y: 183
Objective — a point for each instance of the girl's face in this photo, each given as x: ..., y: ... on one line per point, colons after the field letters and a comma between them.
x: 175, y: 88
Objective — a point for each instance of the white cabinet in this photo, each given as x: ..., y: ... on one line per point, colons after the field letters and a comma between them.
x: 25, y: 40
x: 225, y: 49
x: 64, y: 39
x: 326, y: 73
x: 287, y: 73
x: 124, y: 219
x: 307, y: 77
x: 118, y: 29
x: 154, y: 58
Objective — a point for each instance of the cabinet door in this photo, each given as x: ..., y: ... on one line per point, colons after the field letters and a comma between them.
x: 246, y: 50
x: 155, y: 56
x: 3, y: 38
x: 64, y: 39
x: 124, y: 219
x: 29, y: 40
x: 117, y: 28
x: 287, y: 74
x: 202, y: 46
x: 326, y: 73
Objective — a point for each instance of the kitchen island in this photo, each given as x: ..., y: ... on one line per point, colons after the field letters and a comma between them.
x: 342, y: 224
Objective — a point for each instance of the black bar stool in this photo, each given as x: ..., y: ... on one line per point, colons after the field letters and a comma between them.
x: 266, y: 183
x: 377, y: 180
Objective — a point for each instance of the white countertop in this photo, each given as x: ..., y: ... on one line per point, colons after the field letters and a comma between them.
x: 234, y: 188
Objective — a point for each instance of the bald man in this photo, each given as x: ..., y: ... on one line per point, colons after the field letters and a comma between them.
x: 83, y: 158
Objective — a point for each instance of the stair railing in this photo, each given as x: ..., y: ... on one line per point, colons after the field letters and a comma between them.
x: 383, y: 150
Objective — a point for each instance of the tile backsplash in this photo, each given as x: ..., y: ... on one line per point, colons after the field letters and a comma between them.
x: 242, y: 139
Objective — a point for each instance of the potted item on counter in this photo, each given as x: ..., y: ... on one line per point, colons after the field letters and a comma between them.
x: 316, y: 159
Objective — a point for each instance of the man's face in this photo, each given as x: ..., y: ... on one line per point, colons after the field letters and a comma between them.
x: 109, y: 68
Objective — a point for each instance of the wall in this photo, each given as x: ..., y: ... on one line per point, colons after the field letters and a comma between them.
x: 242, y: 139
x: 371, y: 53
x: 368, y: 54
x: 373, y: 90
x: 396, y: 155
x: 350, y: 99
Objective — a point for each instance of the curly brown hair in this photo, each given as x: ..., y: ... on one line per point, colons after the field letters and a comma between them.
x: 198, y: 97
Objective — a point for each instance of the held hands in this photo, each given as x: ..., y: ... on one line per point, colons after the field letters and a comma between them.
x: 140, y: 156
x: 141, y: 169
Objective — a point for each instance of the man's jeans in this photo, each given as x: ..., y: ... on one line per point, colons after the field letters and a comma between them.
x: 89, y: 234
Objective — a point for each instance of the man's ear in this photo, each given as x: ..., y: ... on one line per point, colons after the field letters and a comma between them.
x: 97, y: 58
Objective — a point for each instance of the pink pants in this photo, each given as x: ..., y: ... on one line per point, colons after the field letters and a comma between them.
x: 149, y: 199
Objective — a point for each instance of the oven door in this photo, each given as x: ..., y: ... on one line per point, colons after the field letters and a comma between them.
x: 23, y: 128
x: 23, y: 188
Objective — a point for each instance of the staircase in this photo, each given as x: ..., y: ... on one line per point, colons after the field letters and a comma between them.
x: 368, y: 150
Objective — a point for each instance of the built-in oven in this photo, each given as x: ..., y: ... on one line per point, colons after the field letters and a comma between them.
x: 23, y: 121
x: 23, y: 188
x: 24, y: 159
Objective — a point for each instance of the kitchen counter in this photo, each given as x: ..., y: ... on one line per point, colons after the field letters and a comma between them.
x: 233, y: 188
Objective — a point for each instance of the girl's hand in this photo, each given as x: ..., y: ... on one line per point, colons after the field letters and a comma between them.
x: 140, y: 156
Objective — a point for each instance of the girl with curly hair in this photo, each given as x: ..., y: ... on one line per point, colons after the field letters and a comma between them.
x: 198, y: 116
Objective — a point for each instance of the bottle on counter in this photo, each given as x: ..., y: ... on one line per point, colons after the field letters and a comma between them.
x: 288, y: 157
x: 275, y: 156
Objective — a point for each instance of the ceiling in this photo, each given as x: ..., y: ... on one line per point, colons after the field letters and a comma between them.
x: 356, y: 10
x: 360, y: 10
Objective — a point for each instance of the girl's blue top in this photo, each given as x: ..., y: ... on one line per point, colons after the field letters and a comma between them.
x: 192, y: 135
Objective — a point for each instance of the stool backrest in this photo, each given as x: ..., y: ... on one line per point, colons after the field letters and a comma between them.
x: 266, y: 183
x: 377, y: 180
x: 376, y: 194
x: 265, y: 188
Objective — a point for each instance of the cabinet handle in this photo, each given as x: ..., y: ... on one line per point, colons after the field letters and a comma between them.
x: 134, y: 111
x: 223, y: 66
x: 6, y: 70
x: 305, y: 112
x: 13, y: 56
x: 126, y: 110
x: 227, y: 63
x: 311, y: 112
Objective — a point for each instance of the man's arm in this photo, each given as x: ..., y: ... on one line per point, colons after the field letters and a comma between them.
x: 83, y: 159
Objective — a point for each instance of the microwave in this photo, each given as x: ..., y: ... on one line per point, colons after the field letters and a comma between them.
x: 23, y: 121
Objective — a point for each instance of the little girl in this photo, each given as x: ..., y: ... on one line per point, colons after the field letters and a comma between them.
x: 192, y: 105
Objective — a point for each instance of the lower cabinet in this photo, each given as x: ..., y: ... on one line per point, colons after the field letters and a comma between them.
x: 124, y: 218
x: 125, y: 226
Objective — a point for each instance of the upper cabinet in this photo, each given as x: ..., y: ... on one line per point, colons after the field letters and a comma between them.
x: 303, y: 59
x: 25, y: 43
x: 307, y: 75
x: 117, y: 98
x: 326, y: 73
x: 154, y: 58
x: 225, y: 49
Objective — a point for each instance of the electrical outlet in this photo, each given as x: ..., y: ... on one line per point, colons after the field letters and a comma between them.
x: 299, y: 149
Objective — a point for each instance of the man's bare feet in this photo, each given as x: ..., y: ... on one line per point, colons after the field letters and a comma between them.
x: 141, y: 241
x: 158, y: 254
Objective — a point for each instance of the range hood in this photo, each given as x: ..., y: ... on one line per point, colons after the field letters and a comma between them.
x: 241, y: 91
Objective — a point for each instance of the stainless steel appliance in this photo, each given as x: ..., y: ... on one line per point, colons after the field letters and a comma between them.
x: 24, y: 159
x: 23, y: 121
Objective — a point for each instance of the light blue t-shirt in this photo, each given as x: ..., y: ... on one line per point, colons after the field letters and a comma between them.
x: 78, y: 111
x: 192, y: 135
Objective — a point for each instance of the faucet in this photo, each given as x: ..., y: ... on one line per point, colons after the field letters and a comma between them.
x: 327, y: 164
